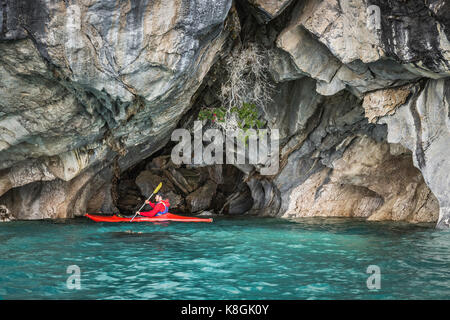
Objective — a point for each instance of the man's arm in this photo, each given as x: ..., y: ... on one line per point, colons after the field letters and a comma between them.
x: 151, y: 204
x: 157, y: 208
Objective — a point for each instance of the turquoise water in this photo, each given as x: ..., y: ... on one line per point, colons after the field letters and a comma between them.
x: 239, y: 258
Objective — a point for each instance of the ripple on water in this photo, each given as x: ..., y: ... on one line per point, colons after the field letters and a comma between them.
x: 184, y: 275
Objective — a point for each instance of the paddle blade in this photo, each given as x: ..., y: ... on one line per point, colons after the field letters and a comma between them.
x: 157, y: 188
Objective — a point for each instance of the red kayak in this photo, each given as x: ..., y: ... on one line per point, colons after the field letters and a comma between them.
x: 165, y: 217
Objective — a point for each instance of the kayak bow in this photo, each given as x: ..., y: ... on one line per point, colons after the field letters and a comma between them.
x: 165, y: 217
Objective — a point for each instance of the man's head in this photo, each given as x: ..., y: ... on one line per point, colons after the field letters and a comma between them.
x: 159, y: 197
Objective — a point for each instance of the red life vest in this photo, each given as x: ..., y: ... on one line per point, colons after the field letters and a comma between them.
x: 164, y: 211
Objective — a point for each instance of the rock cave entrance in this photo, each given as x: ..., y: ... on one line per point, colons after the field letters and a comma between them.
x: 216, y: 189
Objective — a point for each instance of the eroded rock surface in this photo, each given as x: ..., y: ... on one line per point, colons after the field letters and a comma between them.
x: 423, y: 126
x: 91, y: 89
x: 368, y: 181
x: 84, y: 82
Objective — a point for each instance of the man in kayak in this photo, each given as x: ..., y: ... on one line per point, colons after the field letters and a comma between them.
x: 159, y: 208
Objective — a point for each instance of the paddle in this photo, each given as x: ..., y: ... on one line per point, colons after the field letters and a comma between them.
x: 156, y: 190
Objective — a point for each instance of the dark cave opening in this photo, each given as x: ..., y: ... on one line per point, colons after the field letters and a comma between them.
x: 216, y: 189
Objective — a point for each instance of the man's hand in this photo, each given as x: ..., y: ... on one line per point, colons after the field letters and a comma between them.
x: 137, y: 212
x: 147, y: 201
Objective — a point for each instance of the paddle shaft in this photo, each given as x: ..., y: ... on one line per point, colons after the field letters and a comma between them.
x: 141, y: 207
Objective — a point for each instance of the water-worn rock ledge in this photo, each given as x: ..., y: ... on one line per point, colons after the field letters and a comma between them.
x: 90, y: 90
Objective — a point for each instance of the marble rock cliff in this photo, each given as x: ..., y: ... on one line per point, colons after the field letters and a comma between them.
x: 91, y: 89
